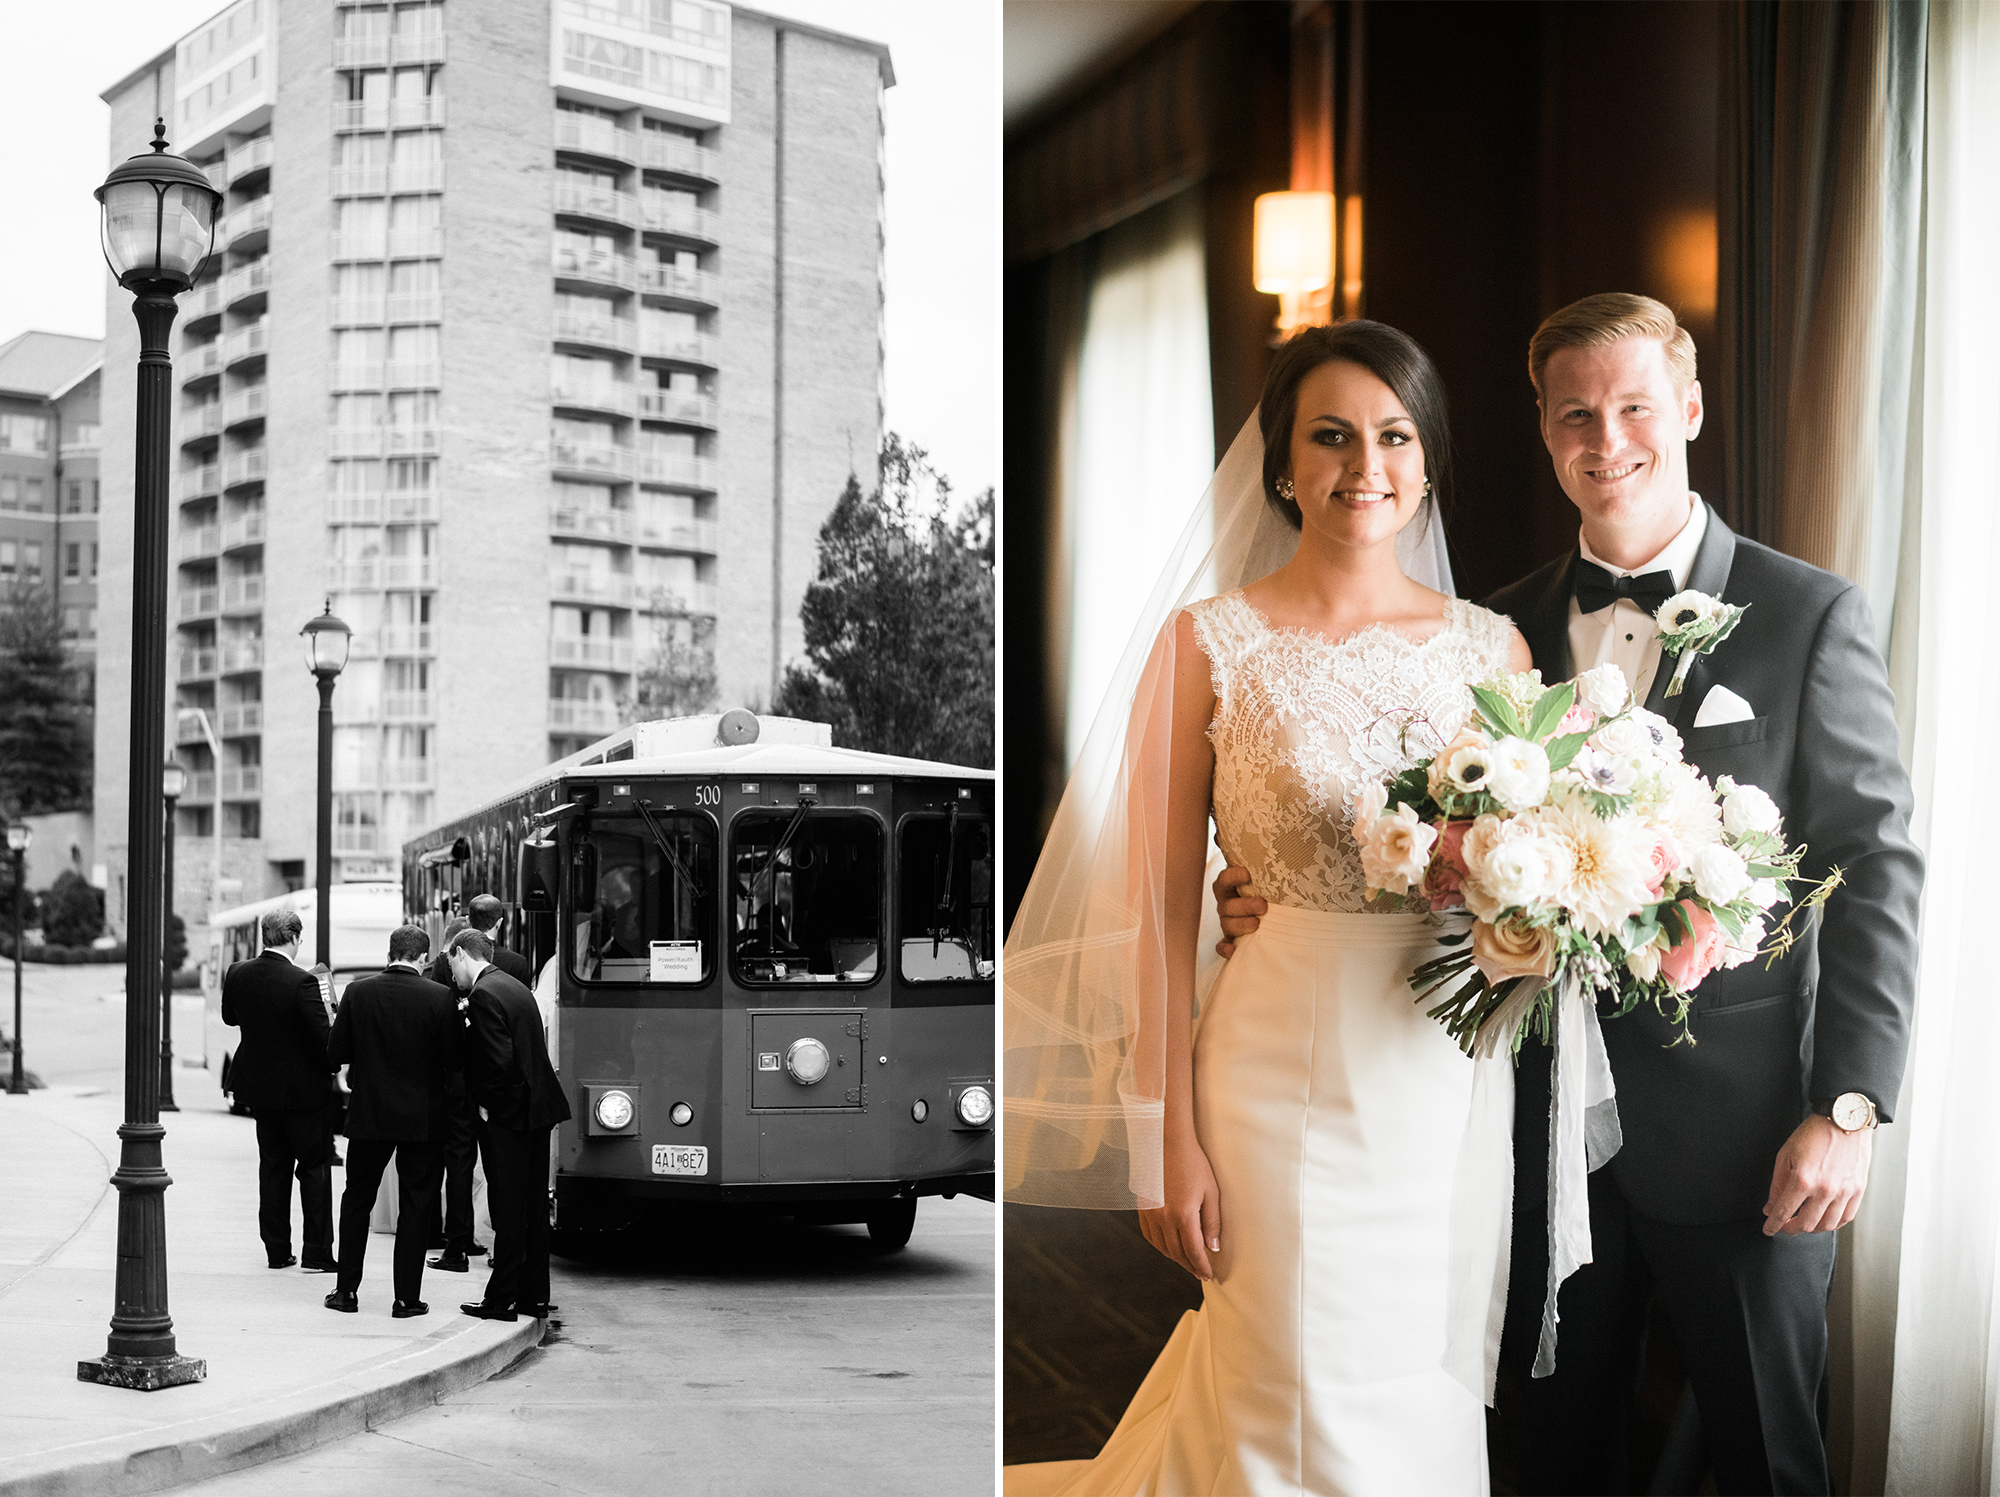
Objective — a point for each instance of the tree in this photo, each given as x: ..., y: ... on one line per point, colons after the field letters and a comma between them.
x: 72, y: 911
x: 899, y: 618
x: 678, y: 678
x: 45, y: 732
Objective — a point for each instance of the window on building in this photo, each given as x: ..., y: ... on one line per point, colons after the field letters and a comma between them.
x: 359, y: 151
x: 72, y: 562
x: 10, y: 560
x: 20, y: 433
x: 10, y: 491
x: 357, y: 412
x: 408, y: 473
x: 411, y: 148
x: 93, y: 561
x: 31, y: 496
x: 72, y: 622
x: 73, y: 504
x: 94, y: 499
x: 90, y: 623
x: 361, y: 22
x: 413, y: 408
x: 31, y: 561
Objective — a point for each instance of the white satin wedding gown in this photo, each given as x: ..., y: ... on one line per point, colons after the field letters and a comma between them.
x: 1354, y: 1154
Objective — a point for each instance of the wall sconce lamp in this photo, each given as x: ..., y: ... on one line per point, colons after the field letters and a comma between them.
x: 1293, y: 259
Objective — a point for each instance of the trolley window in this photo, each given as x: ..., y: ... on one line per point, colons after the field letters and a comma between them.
x: 643, y: 899
x: 944, y: 898
x: 807, y: 896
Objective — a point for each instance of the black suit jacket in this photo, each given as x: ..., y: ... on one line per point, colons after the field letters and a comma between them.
x: 511, y: 962
x: 1703, y: 1124
x: 508, y: 1071
x: 281, y: 1061
x: 400, y: 1036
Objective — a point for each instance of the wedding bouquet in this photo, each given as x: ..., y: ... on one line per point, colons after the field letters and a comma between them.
x: 1587, y: 851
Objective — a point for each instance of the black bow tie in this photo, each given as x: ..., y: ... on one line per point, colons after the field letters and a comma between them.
x: 1597, y: 588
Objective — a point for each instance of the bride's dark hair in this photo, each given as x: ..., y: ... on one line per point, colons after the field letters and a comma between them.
x: 1393, y: 357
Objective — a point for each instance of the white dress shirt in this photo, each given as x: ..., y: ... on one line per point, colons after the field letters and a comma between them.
x: 1625, y: 634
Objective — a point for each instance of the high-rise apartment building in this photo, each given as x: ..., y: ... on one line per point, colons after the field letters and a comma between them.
x: 48, y: 478
x: 539, y: 332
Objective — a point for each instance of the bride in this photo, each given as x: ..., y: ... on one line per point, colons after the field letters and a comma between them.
x: 1303, y: 1139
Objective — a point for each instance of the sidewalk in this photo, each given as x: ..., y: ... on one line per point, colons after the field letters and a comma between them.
x: 284, y: 1372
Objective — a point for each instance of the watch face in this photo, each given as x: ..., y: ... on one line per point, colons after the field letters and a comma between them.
x: 1851, y: 1111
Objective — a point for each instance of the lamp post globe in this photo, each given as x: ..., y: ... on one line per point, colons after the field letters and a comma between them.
x: 19, y: 835
x: 158, y: 222
x: 173, y: 780
x: 327, y: 639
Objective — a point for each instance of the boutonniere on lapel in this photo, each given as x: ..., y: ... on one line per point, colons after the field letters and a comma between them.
x: 1692, y: 624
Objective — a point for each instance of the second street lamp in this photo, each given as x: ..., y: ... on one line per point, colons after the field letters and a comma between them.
x: 173, y: 780
x: 18, y: 837
x: 326, y: 640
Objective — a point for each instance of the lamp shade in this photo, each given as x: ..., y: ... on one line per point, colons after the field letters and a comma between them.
x: 159, y: 214
x: 1294, y: 242
x: 173, y: 780
x: 326, y: 640
x: 19, y: 835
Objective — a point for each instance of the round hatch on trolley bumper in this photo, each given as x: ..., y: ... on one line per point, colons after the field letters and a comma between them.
x: 808, y: 1061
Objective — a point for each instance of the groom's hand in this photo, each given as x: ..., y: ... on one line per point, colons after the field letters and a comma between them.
x: 1820, y: 1176
x: 1239, y: 914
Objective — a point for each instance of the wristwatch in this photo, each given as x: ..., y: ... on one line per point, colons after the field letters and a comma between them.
x: 1850, y: 1112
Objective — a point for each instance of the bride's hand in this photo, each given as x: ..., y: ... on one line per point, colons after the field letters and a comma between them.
x: 1189, y: 1227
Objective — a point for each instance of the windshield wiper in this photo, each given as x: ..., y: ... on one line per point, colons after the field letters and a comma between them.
x: 946, y: 903
x: 681, y: 869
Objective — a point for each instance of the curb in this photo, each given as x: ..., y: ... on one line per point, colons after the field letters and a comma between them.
x: 354, y: 1401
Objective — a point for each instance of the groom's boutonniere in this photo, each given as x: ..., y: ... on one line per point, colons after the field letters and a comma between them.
x: 1692, y: 624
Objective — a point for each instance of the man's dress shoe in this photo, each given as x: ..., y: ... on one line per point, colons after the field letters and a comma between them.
x: 484, y: 1311
x: 285, y: 1262
x: 475, y: 1250
x: 329, y: 1266
x: 403, y: 1309
x: 538, y: 1312
x: 452, y: 1263
x: 343, y: 1300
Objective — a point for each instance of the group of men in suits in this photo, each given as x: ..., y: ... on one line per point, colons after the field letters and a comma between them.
x: 435, y: 1080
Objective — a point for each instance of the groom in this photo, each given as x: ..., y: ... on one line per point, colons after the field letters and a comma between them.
x: 1744, y: 1152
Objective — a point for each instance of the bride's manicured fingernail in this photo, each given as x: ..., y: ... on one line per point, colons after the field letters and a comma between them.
x: 1215, y: 1244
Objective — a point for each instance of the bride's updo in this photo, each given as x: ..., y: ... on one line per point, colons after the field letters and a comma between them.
x: 1392, y: 357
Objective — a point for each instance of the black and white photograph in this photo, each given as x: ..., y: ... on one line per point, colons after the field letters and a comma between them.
x: 498, y: 524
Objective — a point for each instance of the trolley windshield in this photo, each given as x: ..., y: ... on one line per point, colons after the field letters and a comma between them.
x: 945, y: 898
x: 807, y: 896
x: 643, y: 900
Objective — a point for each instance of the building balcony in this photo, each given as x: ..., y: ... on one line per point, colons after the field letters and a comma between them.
x: 361, y: 51
x: 360, y: 311
x: 204, y: 482
x: 613, y: 589
x: 242, y: 655
x: 670, y: 283
x: 197, y: 665
x: 595, y: 332
x: 403, y: 506
x: 371, y: 180
x: 248, y: 228
x: 416, y: 176
x: 409, y: 244
x: 357, y: 837
x: 593, y: 395
x: 244, y: 720
x: 361, y: 245
x: 685, y: 599
x: 413, y: 375
x: 355, y: 441
x: 250, y: 342
x: 242, y: 781
x: 386, y: 774
x: 416, y: 306
x: 246, y: 529
x: 590, y: 652
x: 408, y: 640
x: 680, y: 348
x: 201, y: 362
x: 407, y: 707
x: 409, y: 571
x: 354, y: 509
x: 593, y: 718
x: 246, y: 283
x: 663, y: 152
x: 384, y: 114
x: 217, y: 172
x: 200, y: 788
x: 678, y: 470
x: 82, y: 446
x: 243, y: 467
x: 593, y: 135
x: 241, y: 407
x: 196, y: 603
x: 251, y: 157
x: 187, y: 731
x: 683, y: 220
x: 357, y: 376
x: 695, y: 536
x: 202, y: 303
x: 677, y: 406
x: 422, y: 46
x: 243, y: 595
x: 585, y: 199
x: 202, y: 422
x: 592, y: 459
x: 203, y: 543
x: 591, y: 524
x: 594, y: 268
x: 353, y: 709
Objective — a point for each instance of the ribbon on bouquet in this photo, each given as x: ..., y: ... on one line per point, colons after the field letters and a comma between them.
x: 1583, y: 1127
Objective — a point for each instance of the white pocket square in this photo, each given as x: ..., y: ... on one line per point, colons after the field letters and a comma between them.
x: 1722, y: 705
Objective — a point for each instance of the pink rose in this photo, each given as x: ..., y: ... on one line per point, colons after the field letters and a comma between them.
x: 1666, y: 858
x: 1687, y: 962
x: 1441, y: 882
x: 1577, y: 720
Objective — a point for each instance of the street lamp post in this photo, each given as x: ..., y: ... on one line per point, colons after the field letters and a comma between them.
x: 159, y: 230
x: 18, y: 837
x: 173, y: 780
x: 326, y: 640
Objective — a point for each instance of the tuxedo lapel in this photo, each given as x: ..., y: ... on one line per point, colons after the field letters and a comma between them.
x: 1709, y: 574
x: 1546, y: 626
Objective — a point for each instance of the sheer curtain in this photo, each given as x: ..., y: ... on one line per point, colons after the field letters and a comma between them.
x: 1138, y: 437
x: 1945, y: 1413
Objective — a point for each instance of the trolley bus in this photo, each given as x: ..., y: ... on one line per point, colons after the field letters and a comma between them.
x: 767, y: 963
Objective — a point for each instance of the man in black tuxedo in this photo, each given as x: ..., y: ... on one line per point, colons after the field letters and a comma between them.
x: 400, y: 1037
x: 520, y: 1100
x: 461, y: 1147
x: 281, y: 1073
x: 1745, y: 1152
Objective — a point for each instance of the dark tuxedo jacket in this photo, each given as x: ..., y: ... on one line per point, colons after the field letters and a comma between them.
x: 511, y: 962
x: 1703, y: 1123
x: 281, y: 1061
x: 401, y: 1038
x: 507, y: 1071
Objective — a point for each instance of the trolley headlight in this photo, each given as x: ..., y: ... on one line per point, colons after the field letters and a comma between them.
x: 975, y: 1107
x: 920, y: 1109
x: 808, y: 1061
x: 682, y: 1114
x: 614, y: 1111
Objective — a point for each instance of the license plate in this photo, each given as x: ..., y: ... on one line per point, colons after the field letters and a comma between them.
x: 679, y: 1159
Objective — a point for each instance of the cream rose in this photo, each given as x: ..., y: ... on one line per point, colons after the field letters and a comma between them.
x: 1368, y: 803
x: 1519, y: 778
x: 1719, y: 874
x: 1396, y: 851
x: 1511, y: 949
x: 1625, y: 738
x: 1603, y: 689
x: 1644, y: 963
x: 1745, y: 808
x: 1744, y: 947
x: 1765, y: 892
x: 1510, y: 865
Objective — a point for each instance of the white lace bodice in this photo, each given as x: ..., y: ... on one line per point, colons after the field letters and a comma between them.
x: 1302, y: 722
